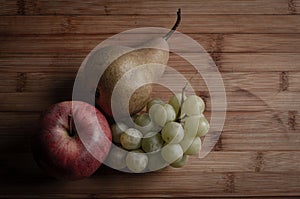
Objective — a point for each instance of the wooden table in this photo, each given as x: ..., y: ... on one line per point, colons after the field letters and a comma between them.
x: 255, y: 44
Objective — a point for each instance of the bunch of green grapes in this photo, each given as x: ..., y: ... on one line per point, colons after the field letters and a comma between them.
x: 167, y: 134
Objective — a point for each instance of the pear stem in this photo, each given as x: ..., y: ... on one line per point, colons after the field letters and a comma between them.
x: 166, y: 37
x: 71, y: 131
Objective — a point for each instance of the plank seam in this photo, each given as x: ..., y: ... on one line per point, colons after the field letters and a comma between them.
x: 21, y: 82
x: 292, y: 7
x: 259, y: 161
x: 217, y: 46
x: 284, y: 81
x: 292, y: 120
x: 21, y: 7
x: 229, y: 184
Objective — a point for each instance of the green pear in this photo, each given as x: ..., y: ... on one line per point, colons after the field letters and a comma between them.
x: 133, y: 66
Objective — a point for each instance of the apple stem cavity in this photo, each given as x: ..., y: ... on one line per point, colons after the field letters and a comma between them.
x: 72, y: 129
x: 166, y: 37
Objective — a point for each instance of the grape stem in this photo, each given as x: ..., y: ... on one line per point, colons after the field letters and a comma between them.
x: 166, y: 37
x: 182, y: 99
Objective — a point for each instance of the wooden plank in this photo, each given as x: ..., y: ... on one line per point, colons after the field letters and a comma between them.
x: 39, y: 82
x: 60, y: 63
x: 259, y: 142
x: 263, y: 162
x: 226, y: 62
x: 229, y: 141
x: 33, y: 82
x: 296, y: 6
x: 114, y: 24
x: 34, y: 101
x: 9, y: 7
x: 294, y: 82
x: 214, y: 162
x: 73, y: 44
x: 94, y: 7
x: 259, y: 62
x: 242, y: 100
x: 256, y: 101
x: 50, y: 45
x: 268, y: 82
x: 279, y: 162
x: 238, y: 62
x: 237, y: 43
x: 104, y: 184
x: 87, y: 196
x: 19, y: 123
x: 261, y: 43
x: 243, y: 131
x: 250, y: 182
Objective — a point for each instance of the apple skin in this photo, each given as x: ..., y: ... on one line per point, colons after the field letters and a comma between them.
x: 66, y: 156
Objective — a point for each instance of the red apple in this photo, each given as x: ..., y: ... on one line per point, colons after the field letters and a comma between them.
x: 73, y: 140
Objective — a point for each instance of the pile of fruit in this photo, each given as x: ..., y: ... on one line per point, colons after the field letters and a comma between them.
x: 74, y: 137
x: 164, y: 135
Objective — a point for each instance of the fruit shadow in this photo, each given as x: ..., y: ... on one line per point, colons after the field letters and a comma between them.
x: 16, y: 157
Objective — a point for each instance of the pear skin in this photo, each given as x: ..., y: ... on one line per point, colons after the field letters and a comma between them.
x: 115, y: 71
x: 119, y: 62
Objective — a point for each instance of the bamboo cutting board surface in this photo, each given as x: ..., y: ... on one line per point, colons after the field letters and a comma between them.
x: 255, y: 44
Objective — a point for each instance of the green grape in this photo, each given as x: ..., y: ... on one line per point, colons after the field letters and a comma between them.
x: 144, y: 124
x: 193, y: 105
x: 116, y: 158
x: 171, y: 115
x: 180, y: 162
x: 158, y: 114
x: 152, y: 142
x: 172, y: 132
x: 154, y: 101
x: 136, y: 161
x: 175, y: 101
x: 171, y: 152
x: 155, y: 161
x: 131, y: 139
x: 190, y: 131
x: 142, y: 119
x: 151, y: 127
x: 194, y: 148
x: 203, y: 127
x: 117, y: 130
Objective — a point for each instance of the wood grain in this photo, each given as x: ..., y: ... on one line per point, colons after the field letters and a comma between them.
x: 20, y: 123
x: 226, y: 62
x: 259, y: 62
x: 115, y: 24
x: 267, y: 81
x: 83, y: 44
x: 31, y: 82
x: 8, y: 7
x: 255, y: 45
x: 236, y: 101
x: 43, y: 7
x: 225, y: 184
x: 243, y: 131
x: 215, y: 162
